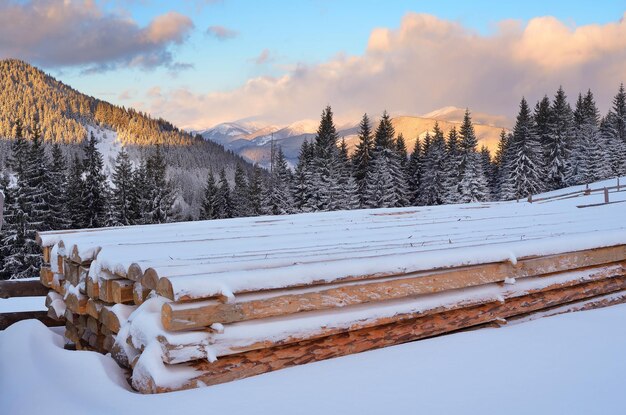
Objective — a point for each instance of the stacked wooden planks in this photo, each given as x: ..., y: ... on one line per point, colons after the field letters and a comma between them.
x: 196, y: 304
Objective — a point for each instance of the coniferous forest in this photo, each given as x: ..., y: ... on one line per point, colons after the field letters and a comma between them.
x: 551, y: 146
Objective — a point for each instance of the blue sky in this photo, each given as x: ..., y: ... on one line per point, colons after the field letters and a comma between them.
x: 107, y: 49
x: 310, y: 31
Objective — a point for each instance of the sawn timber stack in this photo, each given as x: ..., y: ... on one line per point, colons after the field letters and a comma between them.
x: 184, y: 305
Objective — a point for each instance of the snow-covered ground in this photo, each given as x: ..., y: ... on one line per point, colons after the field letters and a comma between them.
x: 566, y: 364
x: 108, y: 145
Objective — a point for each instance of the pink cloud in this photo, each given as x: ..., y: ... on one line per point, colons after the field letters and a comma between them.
x: 424, y: 64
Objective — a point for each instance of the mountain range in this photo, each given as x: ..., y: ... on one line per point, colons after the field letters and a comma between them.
x: 253, y: 140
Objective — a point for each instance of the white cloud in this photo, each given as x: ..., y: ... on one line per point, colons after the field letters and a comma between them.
x: 425, y: 64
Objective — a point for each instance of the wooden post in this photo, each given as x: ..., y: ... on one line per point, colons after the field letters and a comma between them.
x: 530, y: 198
x: 606, y: 195
x: 618, y: 183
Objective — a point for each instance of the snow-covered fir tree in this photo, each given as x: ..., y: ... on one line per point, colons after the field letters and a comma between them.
x: 362, y: 156
x: 556, y: 145
x: 349, y: 192
x: 303, y: 180
x: 122, y: 192
x: 472, y: 185
x: 160, y: 192
x: 326, y: 170
x: 207, y: 210
x: 524, y: 166
x: 277, y: 198
x: 223, y: 204
x: 255, y: 192
x: 433, y: 183
x: 240, y: 194
x: 414, y: 172
x: 57, y: 185
x: 74, y: 194
x: 452, y: 163
x: 94, y: 194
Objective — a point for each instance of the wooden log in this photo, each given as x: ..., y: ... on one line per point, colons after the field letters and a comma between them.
x: 94, y: 307
x: 76, y: 302
x: 185, y: 316
x: 109, y: 341
x: 174, y: 352
x: 92, y: 288
x: 122, y: 291
x: 45, y: 253
x: 71, y: 272
x: 22, y: 288
x: 140, y: 294
x: 93, y: 324
x: 6, y: 319
x: 46, y: 276
x: 447, y: 278
x: 112, y: 317
x: 264, y: 360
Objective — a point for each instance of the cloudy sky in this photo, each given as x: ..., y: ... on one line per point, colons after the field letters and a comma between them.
x: 201, y: 62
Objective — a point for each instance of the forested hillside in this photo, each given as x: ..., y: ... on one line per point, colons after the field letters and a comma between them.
x: 63, y: 115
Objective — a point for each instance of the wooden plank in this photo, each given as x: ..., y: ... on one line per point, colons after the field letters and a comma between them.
x: 6, y: 319
x: 268, y: 359
x: 22, y: 288
x: 443, y: 279
x: 45, y: 253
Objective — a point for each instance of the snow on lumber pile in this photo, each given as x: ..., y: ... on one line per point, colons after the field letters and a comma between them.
x: 195, y: 304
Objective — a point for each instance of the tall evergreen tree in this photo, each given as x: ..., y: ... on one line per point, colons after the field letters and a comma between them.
x: 223, y: 203
x: 303, y: 184
x: 326, y: 169
x: 277, y: 199
x: 472, y: 184
x: 94, y: 195
x: 433, y: 186
x: 414, y: 172
x: 362, y: 156
x: 57, y: 185
x: 349, y: 193
x: 122, y: 192
x: 452, y: 163
x: 208, y: 210
x: 35, y: 190
x: 74, y: 195
x: 241, y: 195
x: 382, y: 178
x: 255, y: 192
x: 524, y: 172
x: 558, y: 142
x: 161, y: 195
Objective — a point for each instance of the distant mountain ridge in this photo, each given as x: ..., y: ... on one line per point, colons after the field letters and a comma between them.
x: 252, y: 141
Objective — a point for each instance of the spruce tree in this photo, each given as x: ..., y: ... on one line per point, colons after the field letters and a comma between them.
x: 95, y: 186
x: 74, y: 195
x: 223, y: 204
x: 543, y: 124
x: 161, y: 195
x: 349, y: 193
x: 473, y: 184
x: 325, y: 177
x: 362, y: 156
x: 452, y: 163
x: 414, y: 172
x: 433, y: 186
x: 303, y: 182
x: 122, y: 192
x: 255, y: 192
x: 524, y: 172
x: 140, y: 194
x: 381, y: 179
x: 208, y: 210
x: 557, y: 145
x: 277, y: 199
x: 58, y: 186
x: 241, y: 195
x: 35, y: 189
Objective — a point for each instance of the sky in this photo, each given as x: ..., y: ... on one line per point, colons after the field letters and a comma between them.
x: 201, y: 62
